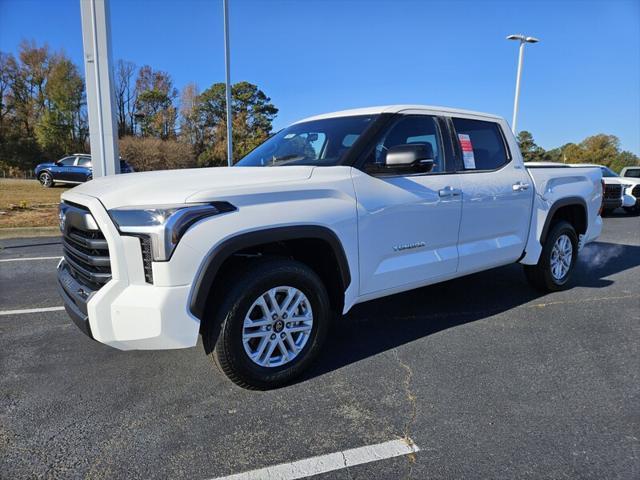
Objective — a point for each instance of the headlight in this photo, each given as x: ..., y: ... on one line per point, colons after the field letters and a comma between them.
x: 164, y: 225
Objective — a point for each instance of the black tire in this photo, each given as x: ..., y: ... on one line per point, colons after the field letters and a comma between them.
x: 540, y: 276
x: 45, y: 179
x: 632, y: 210
x: 222, y: 333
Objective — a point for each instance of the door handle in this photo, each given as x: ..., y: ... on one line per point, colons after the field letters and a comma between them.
x: 520, y: 186
x: 449, y: 191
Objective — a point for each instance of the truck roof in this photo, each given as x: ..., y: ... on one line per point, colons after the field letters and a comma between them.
x: 558, y: 165
x: 396, y: 109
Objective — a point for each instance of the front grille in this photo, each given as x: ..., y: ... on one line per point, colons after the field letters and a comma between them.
x: 84, y: 246
x: 612, y: 191
x: 636, y: 191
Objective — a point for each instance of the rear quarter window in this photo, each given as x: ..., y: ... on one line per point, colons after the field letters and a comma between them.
x: 481, y: 143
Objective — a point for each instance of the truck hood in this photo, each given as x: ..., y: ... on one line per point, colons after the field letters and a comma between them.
x: 621, y: 180
x: 177, y: 186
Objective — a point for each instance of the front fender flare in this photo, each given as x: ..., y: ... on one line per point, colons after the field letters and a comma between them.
x: 216, y: 257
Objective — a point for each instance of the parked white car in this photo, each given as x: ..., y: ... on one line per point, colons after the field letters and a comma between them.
x: 632, y: 175
x: 332, y: 211
x: 629, y: 188
x: 630, y: 172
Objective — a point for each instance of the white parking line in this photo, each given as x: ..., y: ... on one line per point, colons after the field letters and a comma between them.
x: 329, y: 463
x: 31, y: 310
x: 26, y: 259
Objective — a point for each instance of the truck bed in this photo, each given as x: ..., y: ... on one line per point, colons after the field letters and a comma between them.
x: 556, y: 183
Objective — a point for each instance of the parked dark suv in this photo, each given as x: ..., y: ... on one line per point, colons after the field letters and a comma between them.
x: 75, y: 168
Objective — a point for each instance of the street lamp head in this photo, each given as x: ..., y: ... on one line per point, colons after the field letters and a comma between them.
x: 522, y: 38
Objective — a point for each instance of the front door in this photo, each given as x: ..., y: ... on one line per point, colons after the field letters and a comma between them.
x: 407, y: 223
x: 63, y: 170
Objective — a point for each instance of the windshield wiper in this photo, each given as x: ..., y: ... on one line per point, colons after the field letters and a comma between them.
x: 285, y: 158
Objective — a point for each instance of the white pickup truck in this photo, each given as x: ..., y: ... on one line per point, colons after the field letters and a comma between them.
x: 331, y: 211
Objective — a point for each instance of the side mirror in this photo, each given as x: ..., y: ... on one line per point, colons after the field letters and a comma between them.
x: 415, y: 156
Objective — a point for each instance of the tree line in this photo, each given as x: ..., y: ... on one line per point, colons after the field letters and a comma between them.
x: 43, y: 117
x: 43, y: 114
x: 600, y: 149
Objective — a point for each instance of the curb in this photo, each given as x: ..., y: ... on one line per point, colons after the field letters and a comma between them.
x: 28, y: 232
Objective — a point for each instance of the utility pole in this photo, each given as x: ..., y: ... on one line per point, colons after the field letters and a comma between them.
x: 522, y: 40
x: 96, y: 41
x: 227, y: 68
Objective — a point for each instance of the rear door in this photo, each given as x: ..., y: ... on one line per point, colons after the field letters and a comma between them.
x: 407, y: 222
x: 81, y: 169
x: 497, y: 196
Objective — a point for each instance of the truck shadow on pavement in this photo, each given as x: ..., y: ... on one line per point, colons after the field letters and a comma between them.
x: 380, y: 325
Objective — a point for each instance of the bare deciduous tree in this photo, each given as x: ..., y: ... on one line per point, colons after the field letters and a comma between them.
x: 125, y: 97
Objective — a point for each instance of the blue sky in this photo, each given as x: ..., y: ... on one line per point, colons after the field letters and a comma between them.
x: 317, y: 56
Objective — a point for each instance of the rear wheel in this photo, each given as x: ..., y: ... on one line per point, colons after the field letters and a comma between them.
x: 558, y: 257
x: 45, y: 179
x: 270, y: 326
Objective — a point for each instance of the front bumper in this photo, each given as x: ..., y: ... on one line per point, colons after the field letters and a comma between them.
x: 75, y: 298
x: 611, y: 203
x: 127, y: 312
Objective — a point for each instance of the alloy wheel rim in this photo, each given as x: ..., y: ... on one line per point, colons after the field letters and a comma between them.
x: 561, y: 256
x: 45, y: 179
x: 277, y: 326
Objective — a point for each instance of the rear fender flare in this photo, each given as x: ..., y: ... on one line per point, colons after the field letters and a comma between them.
x: 563, y: 202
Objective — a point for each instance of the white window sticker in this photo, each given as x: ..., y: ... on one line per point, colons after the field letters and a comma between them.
x: 467, y: 151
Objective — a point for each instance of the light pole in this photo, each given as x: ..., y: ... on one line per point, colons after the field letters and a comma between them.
x: 522, y: 39
x: 96, y: 44
x: 227, y: 68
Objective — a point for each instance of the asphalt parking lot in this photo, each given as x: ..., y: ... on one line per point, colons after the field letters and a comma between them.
x: 488, y: 378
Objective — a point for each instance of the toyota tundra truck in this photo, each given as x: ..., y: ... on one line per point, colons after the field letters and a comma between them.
x: 260, y: 258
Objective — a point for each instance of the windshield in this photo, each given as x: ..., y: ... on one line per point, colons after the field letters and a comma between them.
x: 318, y: 142
x: 607, y: 172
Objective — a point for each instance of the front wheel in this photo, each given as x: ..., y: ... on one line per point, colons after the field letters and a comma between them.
x: 45, y: 179
x: 557, y: 260
x: 270, y: 326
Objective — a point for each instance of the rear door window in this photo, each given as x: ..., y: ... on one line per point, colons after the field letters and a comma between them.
x: 84, y: 162
x: 481, y: 143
